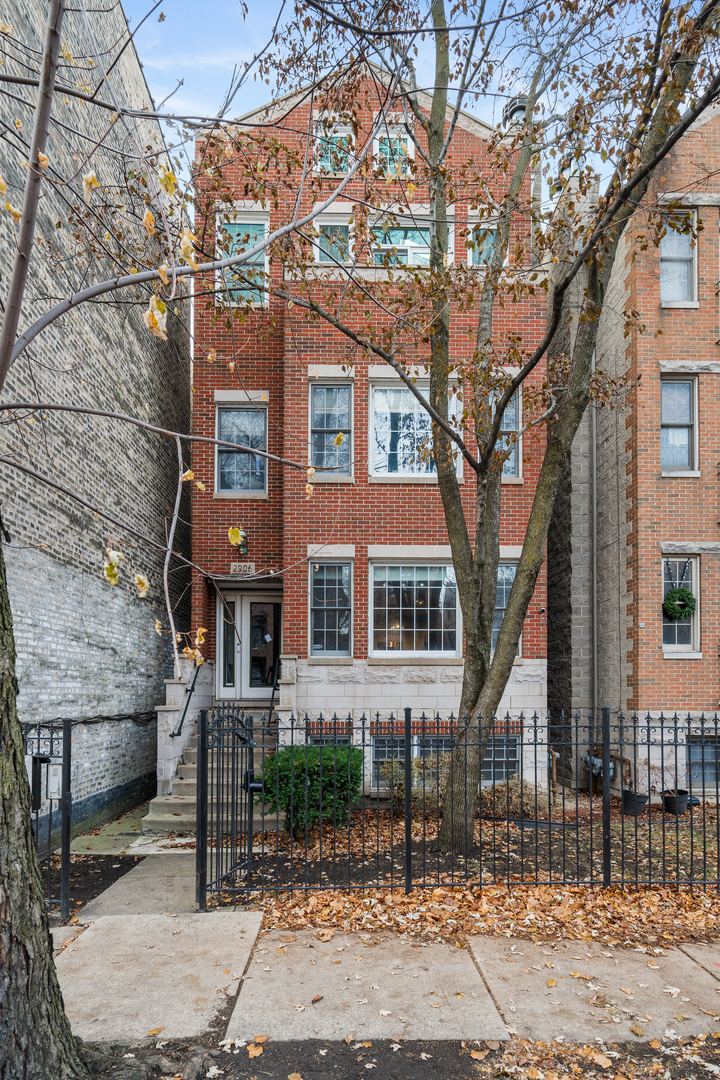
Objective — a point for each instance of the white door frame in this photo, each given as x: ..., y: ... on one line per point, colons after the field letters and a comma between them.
x: 240, y: 688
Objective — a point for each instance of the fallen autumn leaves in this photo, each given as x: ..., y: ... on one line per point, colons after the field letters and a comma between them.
x: 642, y: 917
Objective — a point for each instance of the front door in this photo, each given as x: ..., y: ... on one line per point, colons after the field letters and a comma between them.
x: 249, y: 640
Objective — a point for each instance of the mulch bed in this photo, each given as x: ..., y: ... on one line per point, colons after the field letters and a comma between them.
x: 89, y: 876
x: 672, y: 1059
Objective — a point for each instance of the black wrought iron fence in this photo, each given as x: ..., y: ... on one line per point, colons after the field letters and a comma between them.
x: 48, y: 754
x: 415, y: 800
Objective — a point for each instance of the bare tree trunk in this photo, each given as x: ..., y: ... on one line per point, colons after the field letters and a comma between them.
x: 36, y: 1042
x: 33, y: 184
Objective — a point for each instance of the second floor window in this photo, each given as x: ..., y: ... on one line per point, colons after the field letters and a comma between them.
x: 483, y: 241
x: 242, y: 284
x: 401, y: 245
x: 677, y: 424
x: 677, y: 267
x: 330, y: 418
x: 237, y: 470
x: 401, y: 435
x: 333, y: 147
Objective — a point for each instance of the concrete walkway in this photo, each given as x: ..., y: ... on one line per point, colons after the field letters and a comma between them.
x: 142, y: 959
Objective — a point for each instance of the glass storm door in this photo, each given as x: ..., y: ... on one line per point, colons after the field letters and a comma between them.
x: 249, y: 639
x: 261, y: 629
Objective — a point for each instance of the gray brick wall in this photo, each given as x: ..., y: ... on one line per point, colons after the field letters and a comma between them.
x: 85, y: 647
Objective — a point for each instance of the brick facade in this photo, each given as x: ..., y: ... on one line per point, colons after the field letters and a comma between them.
x: 364, y: 519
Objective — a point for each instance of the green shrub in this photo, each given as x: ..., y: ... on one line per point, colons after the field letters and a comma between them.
x: 311, y: 782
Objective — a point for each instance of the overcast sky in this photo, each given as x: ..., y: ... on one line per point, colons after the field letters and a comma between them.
x: 200, y: 41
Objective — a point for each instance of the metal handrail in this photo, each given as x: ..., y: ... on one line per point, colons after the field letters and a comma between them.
x: 174, y: 734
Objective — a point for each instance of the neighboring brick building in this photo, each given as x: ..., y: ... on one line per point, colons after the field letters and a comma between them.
x: 336, y: 585
x: 643, y: 492
x: 85, y: 648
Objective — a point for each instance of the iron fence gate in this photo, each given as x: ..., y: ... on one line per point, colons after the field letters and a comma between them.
x: 48, y: 757
x: 226, y: 789
x: 354, y: 803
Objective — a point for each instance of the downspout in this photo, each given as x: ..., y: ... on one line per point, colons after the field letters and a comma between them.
x: 593, y: 557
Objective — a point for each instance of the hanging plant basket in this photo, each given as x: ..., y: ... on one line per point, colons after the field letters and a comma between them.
x: 679, y: 604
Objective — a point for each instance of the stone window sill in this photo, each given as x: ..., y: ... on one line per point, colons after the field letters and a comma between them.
x: 679, y: 305
x: 676, y: 654
x: 240, y: 495
x: 680, y: 472
x: 413, y: 661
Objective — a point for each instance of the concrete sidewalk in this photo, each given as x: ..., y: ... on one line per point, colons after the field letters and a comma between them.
x: 143, y: 959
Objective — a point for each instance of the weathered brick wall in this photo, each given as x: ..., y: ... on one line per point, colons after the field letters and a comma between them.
x: 84, y: 647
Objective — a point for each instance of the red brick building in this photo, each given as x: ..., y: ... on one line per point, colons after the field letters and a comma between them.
x: 639, y: 516
x: 353, y: 588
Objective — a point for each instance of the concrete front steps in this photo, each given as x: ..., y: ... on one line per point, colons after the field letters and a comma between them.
x: 177, y: 812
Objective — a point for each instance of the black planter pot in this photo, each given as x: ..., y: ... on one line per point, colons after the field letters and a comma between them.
x: 676, y: 803
x: 633, y: 803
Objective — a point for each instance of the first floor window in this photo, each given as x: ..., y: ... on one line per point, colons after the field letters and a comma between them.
x: 679, y: 573
x: 502, y: 759
x: 330, y: 610
x: 238, y: 470
x: 388, y: 758
x: 330, y: 418
x: 703, y: 762
x: 414, y: 609
x: 329, y: 740
x: 677, y: 424
x: 506, y: 576
x: 242, y: 282
x: 677, y: 262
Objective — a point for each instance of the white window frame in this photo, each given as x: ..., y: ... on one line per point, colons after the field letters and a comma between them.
x: 239, y: 216
x: 417, y: 218
x: 692, y: 650
x: 517, y: 477
x: 390, y: 130
x: 324, y: 130
x: 415, y: 739
x: 330, y: 561
x: 506, y: 560
x: 491, y: 225
x: 238, y: 406
x: 331, y: 220
x: 403, y: 654
x: 694, y: 469
x: 321, y: 475
x: 691, y: 302
x: 429, y: 477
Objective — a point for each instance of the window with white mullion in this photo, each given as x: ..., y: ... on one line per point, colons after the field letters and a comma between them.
x: 242, y: 283
x: 678, y: 263
x: 414, y: 610
x: 679, y: 633
x: 677, y: 424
